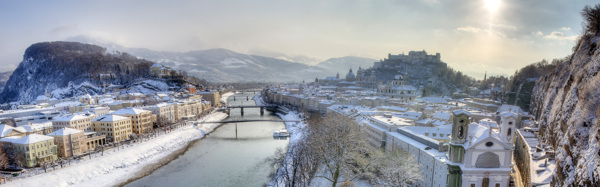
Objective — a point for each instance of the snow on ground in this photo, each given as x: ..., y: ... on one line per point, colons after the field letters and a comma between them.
x: 258, y: 100
x: 118, y: 166
x: 225, y: 96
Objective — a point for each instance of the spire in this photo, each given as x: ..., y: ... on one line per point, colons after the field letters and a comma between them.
x: 484, y: 76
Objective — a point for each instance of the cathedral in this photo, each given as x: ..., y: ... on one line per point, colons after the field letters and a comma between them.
x: 480, y: 156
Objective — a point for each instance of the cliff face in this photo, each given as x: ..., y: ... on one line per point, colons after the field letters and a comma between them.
x: 566, y: 102
x: 66, y: 69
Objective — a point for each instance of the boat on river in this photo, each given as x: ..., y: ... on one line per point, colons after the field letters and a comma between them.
x: 281, y: 133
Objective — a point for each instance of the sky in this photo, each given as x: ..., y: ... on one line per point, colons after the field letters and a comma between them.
x: 473, y: 36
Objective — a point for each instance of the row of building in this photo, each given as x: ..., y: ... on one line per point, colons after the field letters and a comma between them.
x: 71, y: 129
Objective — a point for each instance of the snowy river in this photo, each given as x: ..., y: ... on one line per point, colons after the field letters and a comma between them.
x: 221, y: 158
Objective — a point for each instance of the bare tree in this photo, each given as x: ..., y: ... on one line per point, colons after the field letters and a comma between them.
x: 296, y: 169
x: 343, y: 152
x: 398, y: 168
x: 4, y: 161
x: 591, y: 19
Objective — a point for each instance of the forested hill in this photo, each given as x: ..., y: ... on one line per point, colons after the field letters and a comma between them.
x: 66, y: 69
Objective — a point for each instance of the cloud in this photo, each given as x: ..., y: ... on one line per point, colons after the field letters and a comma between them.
x: 504, y: 27
x: 557, y: 35
x: 566, y: 28
x: 539, y: 33
x: 64, y: 29
x: 469, y: 29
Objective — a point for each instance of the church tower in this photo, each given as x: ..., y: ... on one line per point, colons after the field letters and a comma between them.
x: 508, y: 124
x: 460, y: 126
x: 456, y: 152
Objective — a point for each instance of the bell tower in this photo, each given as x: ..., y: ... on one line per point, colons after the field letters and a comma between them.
x: 460, y: 126
x: 456, y: 152
x: 508, y: 124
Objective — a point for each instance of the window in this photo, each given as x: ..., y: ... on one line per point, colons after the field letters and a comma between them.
x: 489, y: 144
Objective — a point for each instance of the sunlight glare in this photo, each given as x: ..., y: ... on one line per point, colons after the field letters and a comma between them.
x: 492, y: 5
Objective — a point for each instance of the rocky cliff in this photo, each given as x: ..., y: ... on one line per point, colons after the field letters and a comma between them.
x: 566, y: 103
x: 66, y: 69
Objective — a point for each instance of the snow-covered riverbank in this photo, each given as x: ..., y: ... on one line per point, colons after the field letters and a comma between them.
x: 117, y: 166
x: 225, y: 96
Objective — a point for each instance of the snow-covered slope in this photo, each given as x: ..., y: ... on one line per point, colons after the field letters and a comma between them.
x: 343, y: 64
x: 67, y: 69
x: 567, y: 104
x: 4, y: 78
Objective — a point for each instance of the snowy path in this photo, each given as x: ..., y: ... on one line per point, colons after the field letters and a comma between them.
x: 118, y: 166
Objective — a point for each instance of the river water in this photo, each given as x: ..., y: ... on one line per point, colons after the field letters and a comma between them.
x: 221, y: 158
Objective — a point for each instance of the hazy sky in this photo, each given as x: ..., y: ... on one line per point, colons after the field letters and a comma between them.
x: 473, y: 36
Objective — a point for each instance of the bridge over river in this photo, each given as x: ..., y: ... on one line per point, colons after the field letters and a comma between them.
x: 228, y: 108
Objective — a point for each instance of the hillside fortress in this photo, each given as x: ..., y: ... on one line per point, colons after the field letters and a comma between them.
x: 413, y: 57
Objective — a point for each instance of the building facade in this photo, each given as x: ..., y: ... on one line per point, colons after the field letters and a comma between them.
x: 116, y: 128
x: 141, y: 120
x: 74, y: 121
x: 33, y: 149
x: 70, y: 142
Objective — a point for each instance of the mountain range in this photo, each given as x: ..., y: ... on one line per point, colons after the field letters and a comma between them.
x: 223, y: 65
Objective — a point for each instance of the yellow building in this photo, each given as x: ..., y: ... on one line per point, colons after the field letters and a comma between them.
x: 69, y: 142
x: 213, y: 97
x: 116, y: 128
x: 33, y: 149
x: 75, y: 121
x: 141, y: 120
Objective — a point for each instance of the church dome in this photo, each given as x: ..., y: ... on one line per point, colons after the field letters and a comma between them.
x: 350, y: 74
x: 398, y: 77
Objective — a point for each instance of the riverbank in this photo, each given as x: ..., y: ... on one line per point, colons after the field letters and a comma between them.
x: 225, y: 96
x: 118, y: 166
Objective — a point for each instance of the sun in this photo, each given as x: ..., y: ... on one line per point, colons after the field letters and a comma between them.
x: 492, y: 5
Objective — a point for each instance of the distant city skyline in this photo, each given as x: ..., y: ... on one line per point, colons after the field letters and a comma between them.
x: 497, y: 36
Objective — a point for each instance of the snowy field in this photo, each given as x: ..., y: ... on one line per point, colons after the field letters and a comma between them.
x: 117, y: 166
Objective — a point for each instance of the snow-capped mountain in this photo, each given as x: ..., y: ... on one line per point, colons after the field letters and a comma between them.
x: 566, y: 104
x: 223, y: 65
x: 66, y: 69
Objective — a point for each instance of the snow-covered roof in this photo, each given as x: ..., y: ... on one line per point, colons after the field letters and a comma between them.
x: 441, y: 115
x: 73, y: 117
x: 461, y: 111
x: 5, y: 129
x: 509, y: 108
x: 156, y: 65
x: 509, y: 115
x: 478, y: 133
x: 29, y: 139
x: 412, y: 115
x: 404, y: 87
x: 110, y: 118
x: 64, y: 132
